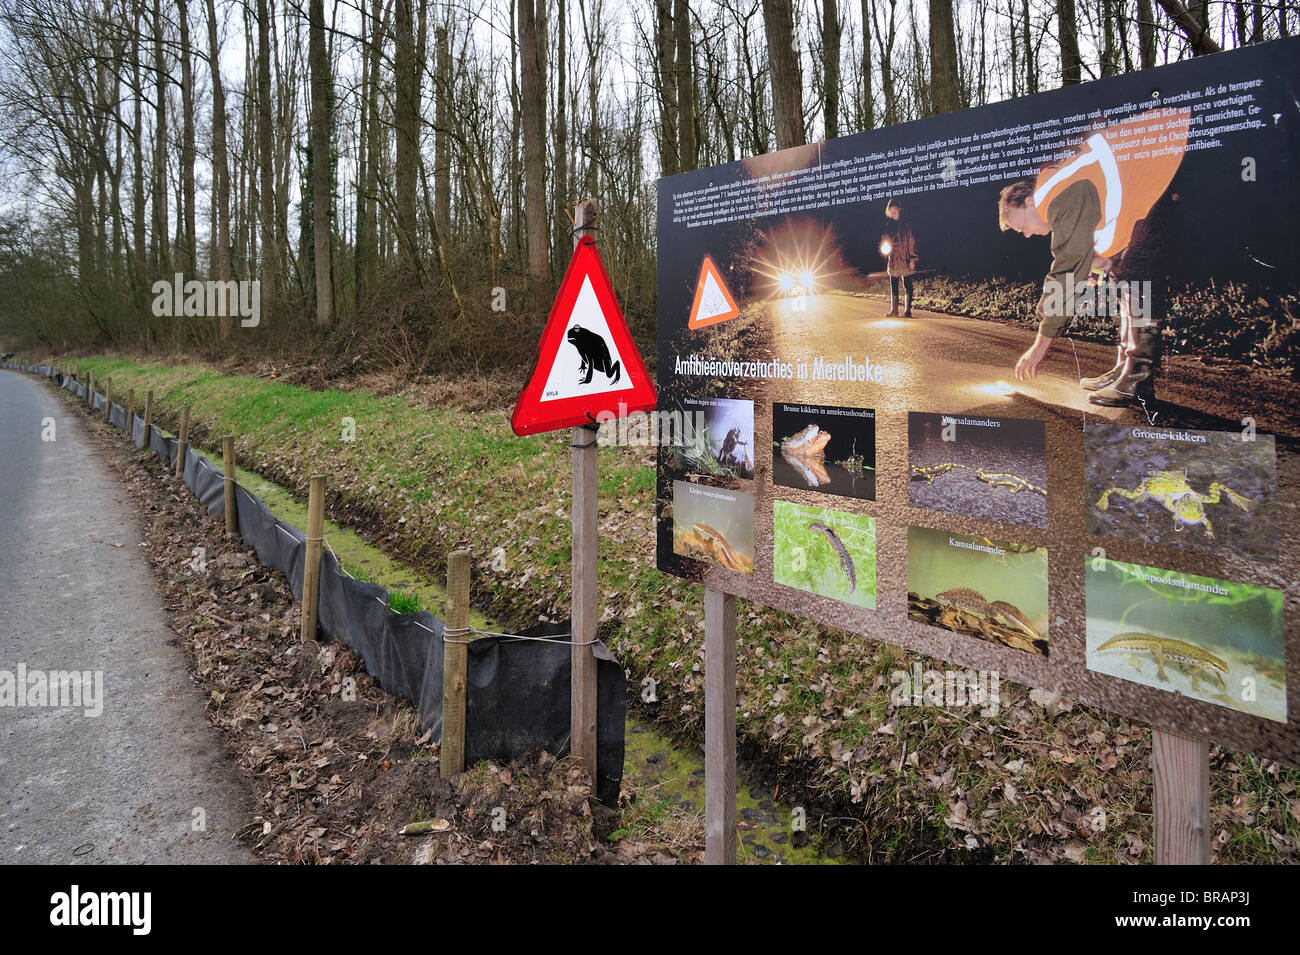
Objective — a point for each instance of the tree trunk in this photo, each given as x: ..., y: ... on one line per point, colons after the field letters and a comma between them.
x: 1071, y: 62
x: 220, y: 163
x: 266, y: 155
x: 688, y: 147
x: 666, y: 71
x: 442, y: 134
x: 188, y: 252
x: 831, y: 30
x: 868, y: 120
x: 563, y: 241
x: 533, y: 110
x: 321, y: 187
x: 1146, y: 34
x: 161, y: 257
x: 945, y: 92
x: 1031, y: 61
x: 787, y: 73
x: 1194, y: 27
x: 406, y: 119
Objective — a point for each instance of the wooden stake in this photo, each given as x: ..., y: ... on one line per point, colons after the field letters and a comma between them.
x: 90, y: 390
x: 108, y: 399
x: 719, y: 727
x: 455, y: 666
x: 586, y: 516
x: 228, y: 465
x: 1182, y: 798
x: 130, y: 414
x: 182, y: 440
x: 148, y: 414
x: 311, y: 566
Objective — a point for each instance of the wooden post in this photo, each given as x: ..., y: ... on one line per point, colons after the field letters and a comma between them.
x: 1182, y: 798
x: 586, y: 516
x: 719, y: 727
x: 108, y: 399
x: 90, y: 390
x: 130, y: 414
x: 311, y: 567
x: 228, y: 465
x: 182, y: 440
x: 455, y: 666
x: 148, y: 414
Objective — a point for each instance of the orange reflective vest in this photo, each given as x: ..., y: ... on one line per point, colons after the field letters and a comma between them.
x: 1130, y: 164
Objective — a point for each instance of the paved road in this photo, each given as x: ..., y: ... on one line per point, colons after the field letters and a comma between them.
x: 937, y: 362
x: 77, y: 594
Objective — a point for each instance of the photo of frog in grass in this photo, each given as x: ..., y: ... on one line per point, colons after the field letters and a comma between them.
x: 1205, y: 490
x: 1213, y: 640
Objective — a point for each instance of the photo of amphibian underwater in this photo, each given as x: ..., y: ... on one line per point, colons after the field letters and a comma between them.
x: 993, y: 590
x: 825, y: 552
x: 1212, y: 640
x: 1204, y: 490
x: 994, y: 469
x: 824, y: 448
x: 715, y: 525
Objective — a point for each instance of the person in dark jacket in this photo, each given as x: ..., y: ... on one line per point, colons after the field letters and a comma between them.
x: 898, y: 247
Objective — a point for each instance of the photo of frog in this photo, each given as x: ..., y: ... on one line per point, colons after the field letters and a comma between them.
x: 1206, y: 490
x: 724, y: 445
x: 825, y: 552
x: 1212, y: 640
x: 993, y: 590
x: 824, y: 448
x: 977, y: 466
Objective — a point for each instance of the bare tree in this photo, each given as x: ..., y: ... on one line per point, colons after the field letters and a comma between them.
x: 945, y: 90
x: 787, y: 73
x: 321, y: 186
x: 532, y: 19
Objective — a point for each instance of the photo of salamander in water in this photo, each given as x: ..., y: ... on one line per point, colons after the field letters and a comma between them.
x: 972, y: 585
x: 825, y: 552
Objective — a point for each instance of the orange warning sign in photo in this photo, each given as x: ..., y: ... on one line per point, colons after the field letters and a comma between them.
x: 713, y: 300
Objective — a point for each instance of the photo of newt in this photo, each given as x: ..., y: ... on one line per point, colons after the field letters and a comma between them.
x: 1212, y: 640
x: 824, y: 448
x: 983, y: 588
x: 1205, y: 490
x: 977, y: 466
x: 714, y: 525
x: 825, y: 552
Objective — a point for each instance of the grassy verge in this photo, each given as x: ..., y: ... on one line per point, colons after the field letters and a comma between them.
x: 1036, y: 782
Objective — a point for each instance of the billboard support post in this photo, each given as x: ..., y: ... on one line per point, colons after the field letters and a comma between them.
x: 1181, y: 765
x: 586, y: 519
x: 719, y: 727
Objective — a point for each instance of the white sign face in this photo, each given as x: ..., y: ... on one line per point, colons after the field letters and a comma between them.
x: 588, y: 362
x: 713, y: 301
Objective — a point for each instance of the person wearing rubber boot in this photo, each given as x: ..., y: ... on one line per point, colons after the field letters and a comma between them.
x: 898, y: 247
x: 1093, y: 206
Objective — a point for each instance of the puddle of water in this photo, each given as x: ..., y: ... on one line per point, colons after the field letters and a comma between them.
x: 665, y: 771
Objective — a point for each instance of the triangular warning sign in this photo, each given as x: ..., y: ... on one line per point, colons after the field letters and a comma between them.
x: 587, y: 363
x: 713, y: 300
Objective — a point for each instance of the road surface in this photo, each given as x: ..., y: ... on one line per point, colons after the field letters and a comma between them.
x: 76, y: 593
x: 942, y: 363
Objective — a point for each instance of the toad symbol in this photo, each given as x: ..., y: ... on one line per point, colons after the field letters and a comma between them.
x: 594, y: 353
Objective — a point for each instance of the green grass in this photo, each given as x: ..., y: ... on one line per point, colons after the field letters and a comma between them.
x: 400, y: 601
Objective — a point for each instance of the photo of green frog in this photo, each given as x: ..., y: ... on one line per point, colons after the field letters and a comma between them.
x: 1172, y: 487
